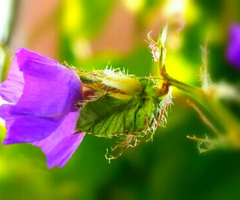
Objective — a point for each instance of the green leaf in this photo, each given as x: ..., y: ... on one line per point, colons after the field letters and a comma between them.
x: 108, y: 116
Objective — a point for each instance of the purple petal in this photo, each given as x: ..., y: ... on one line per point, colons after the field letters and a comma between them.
x: 45, y: 92
x: 24, y: 128
x: 64, y: 150
x: 11, y: 89
x: 62, y: 143
x: 233, y: 49
x: 49, y: 88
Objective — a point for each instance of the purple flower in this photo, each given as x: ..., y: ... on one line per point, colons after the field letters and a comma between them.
x: 233, y: 49
x: 41, y: 96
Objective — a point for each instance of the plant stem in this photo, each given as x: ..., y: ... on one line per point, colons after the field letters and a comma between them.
x: 213, y: 106
x: 192, y: 91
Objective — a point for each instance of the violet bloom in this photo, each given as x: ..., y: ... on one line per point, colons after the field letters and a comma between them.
x: 41, y: 96
x: 233, y: 49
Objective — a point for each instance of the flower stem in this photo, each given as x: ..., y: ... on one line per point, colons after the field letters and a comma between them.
x: 189, y: 90
x: 213, y: 106
x: 225, y: 119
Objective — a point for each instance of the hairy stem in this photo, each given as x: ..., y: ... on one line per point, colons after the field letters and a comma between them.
x: 213, y: 106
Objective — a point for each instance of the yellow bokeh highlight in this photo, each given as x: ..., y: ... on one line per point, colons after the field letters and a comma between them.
x: 134, y: 5
x: 173, y: 6
x: 192, y: 13
x: 186, y: 8
x: 72, y: 16
x: 179, y: 68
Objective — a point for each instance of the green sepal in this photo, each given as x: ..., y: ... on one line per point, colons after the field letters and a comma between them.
x: 87, y: 77
x: 162, y: 38
x: 108, y: 116
x: 110, y: 78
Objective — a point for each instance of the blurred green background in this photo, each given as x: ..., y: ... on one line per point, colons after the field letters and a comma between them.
x: 92, y: 34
